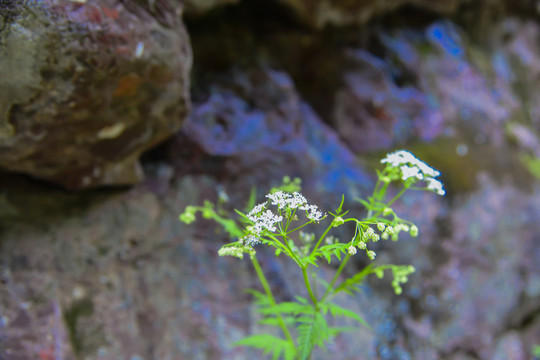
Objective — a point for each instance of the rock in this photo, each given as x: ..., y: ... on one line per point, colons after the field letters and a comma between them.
x: 319, y: 13
x: 509, y: 347
x: 198, y: 7
x: 88, y: 86
x: 257, y: 120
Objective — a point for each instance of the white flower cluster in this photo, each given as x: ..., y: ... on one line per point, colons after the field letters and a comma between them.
x: 411, y: 167
x: 250, y: 240
x: 295, y: 200
x: 436, y: 186
x: 231, y: 251
x: 263, y: 219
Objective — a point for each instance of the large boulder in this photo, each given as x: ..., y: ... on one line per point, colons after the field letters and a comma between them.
x: 86, y: 87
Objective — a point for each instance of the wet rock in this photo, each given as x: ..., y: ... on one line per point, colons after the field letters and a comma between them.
x: 372, y: 112
x: 510, y: 347
x: 258, y: 121
x: 88, y: 86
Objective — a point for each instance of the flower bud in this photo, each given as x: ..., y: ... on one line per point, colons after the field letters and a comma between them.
x: 337, y: 221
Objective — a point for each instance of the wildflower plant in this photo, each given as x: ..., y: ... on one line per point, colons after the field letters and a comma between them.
x: 281, y: 222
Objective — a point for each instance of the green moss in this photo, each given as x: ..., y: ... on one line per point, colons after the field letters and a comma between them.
x: 82, y: 308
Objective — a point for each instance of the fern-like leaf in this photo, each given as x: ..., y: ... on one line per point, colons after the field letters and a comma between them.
x: 351, y: 285
x: 270, y: 344
x: 312, y: 330
x: 337, y: 310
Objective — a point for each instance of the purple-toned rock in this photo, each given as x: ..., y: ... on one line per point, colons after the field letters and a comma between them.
x: 372, y: 112
x: 87, y: 86
x: 257, y: 120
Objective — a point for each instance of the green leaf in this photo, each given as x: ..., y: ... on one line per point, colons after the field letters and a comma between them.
x: 363, y: 202
x: 242, y: 216
x: 351, y: 285
x: 252, y: 199
x: 532, y: 164
x: 328, y: 257
x: 312, y: 331
x: 536, y: 350
x: 337, y: 310
x: 286, y: 307
x: 270, y: 344
x: 338, y: 210
x: 260, y: 299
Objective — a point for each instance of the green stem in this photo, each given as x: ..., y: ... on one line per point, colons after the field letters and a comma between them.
x: 321, y: 239
x: 270, y: 296
x: 308, y: 287
x: 297, y: 228
x: 391, y: 201
x: 285, y: 246
x: 336, y: 276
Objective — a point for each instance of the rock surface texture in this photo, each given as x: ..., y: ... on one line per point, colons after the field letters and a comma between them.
x: 88, y: 86
x: 276, y: 90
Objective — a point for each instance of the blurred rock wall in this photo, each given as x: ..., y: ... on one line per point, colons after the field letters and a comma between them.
x: 315, y: 89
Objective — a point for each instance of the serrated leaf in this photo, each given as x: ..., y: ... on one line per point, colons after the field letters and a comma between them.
x: 287, y: 307
x: 260, y: 299
x: 242, y: 216
x: 252, y: 199
x: 337, y: 310
x: 269, y: 344
x: 363, y: 202
x: 328, y: 257
x: 338, y: 210
x: 312, y: 330
x: 351, y: 285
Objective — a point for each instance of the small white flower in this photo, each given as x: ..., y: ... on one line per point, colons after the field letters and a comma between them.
x: 435, y: 185
x: 287, y: 200
x: 371, y: 254
x: 252, y: 215
x: 329, y: 240
x: 410, y: 165
x: 351, y: 250
x: 231, y: 251
x: 250, y: 240
x: 362, y: 245
x: 381, y: 226
x: 313, y: 213
x: 338, y: 221
x: 411, y: 171
x: 368, y: 234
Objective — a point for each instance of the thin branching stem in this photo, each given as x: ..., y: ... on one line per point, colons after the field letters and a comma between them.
x: 330, y: 287
x: 308, y: 287
x: 270, y: 296
x: 321, y: 239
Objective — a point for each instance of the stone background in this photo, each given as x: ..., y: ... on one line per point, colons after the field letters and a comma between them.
x: 220, y: 96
